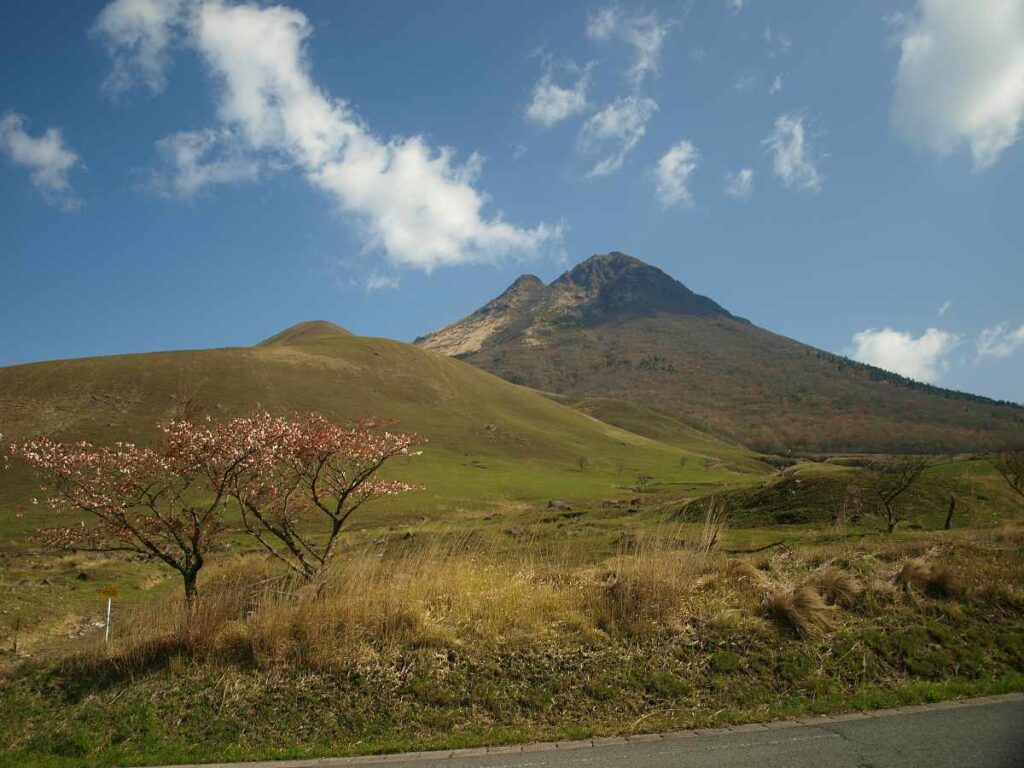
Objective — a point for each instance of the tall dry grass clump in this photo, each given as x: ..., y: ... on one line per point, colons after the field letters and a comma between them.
x: 656, y: 585
x: 153, y: 630
x: 802, y: 609
x: 836, y: 586
x: 370, y: 604
x: 376, y: 604
x: 715, y: 518
x: 919, y: 575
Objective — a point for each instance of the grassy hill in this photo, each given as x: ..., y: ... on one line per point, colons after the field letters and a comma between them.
x: 614, y: 327
x: 491, y: 442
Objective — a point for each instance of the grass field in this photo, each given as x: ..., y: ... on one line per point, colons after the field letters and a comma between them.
x: 458, y: 638
x: 491, y: 442
x: 524, y: 594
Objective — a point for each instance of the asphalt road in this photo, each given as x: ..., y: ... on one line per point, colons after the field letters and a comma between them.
x: 981, y: 733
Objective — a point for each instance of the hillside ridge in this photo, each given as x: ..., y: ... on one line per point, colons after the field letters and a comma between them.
x: 614, y: 326
x: 305, y: 331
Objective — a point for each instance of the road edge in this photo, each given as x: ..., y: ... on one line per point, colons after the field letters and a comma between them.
x: 552, y: 746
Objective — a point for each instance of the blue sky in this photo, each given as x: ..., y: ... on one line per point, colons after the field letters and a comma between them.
x: 189, y: 173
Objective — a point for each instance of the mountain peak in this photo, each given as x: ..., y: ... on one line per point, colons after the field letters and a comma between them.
x: 302, y: 332
x: 605, y: 288
x: 612, y: 285
x: 525, y: 284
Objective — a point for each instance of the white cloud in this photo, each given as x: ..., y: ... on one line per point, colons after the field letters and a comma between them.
x: 672, y: 173
x: 792, y: 155
x: 740, y: 184
x: 551, y: 103
x: 621, y: 125
x: 743, y: 82
x: 199, y: 159
x: 379, y: 282
x: 1000, y: 341
x: 644, y: 32
x: 945, y: 307
x: 735, y: 6
x: 602, y: 23
x: 960, y: 78
x: 922, y: 358
x: 48, y: 159
x: 776, y: 85
x: 139, y: 34
x: 412, y: 201
x: 777, y: 42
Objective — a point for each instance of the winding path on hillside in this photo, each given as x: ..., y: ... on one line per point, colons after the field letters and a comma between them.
x: 986, y: 732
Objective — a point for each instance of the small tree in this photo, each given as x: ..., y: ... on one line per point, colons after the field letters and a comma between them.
x: 642, y: 482
x: 582, y: 463
x: 164, y: 503
x: 892, y: 478
x: 1010, y: 464
x: 321, y: 467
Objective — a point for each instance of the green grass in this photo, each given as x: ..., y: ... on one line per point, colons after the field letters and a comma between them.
x: 491, y: 442
x: 811, y: 493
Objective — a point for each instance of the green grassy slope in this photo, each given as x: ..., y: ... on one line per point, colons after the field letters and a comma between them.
x: 661, y: 426
x: 818, y: 495
x: 490, y: 441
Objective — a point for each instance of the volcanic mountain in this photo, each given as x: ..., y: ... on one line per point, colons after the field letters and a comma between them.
x: 615, y: 327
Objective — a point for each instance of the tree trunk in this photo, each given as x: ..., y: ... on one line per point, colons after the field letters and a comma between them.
x: 191, y: 598
x: 890, y: 519
x: 949, y: 514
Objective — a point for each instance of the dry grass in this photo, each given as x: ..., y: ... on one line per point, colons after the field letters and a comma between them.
x: 378, y: 603
x: 746, y: 572
x: 369, y: 604
x: 836, y: 586
x: 919, y: 575
x: 715, y: 518
x: 646, y: 590
x: 802, y: 609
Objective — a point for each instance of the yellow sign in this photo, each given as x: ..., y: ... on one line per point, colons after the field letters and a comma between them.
x: 110, y: 592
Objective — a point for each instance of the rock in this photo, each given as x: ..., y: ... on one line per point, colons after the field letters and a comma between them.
x: 516, y: 532
x: 556, y: 504
x: 83, y: 576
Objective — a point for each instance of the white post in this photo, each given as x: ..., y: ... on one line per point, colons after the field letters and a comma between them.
x: 106, y: 629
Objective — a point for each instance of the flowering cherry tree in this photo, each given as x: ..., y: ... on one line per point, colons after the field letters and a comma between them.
x: 168, y: 503
x: 165, y: 503
x: 320, y: 467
